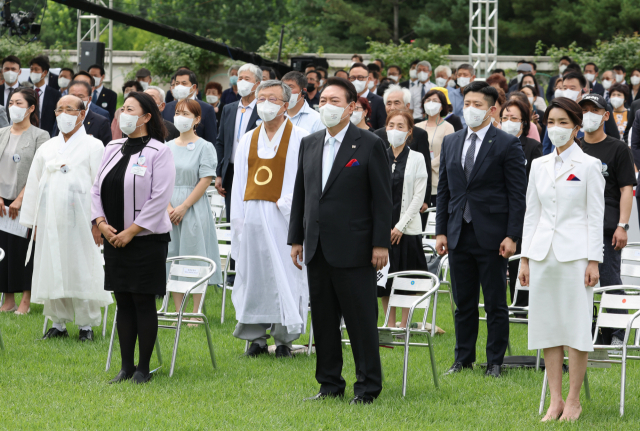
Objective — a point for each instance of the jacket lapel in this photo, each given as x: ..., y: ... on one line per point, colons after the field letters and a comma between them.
x: 347, y: 148
x: 458, y: 152
x: 252, y: 120
x: 576, y: 158
x: 230, y: 127
x: 485, y: 146
x: 316, y: 157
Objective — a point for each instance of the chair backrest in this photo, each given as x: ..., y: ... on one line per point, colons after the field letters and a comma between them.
x: 430, y: 229
x: 197, y: 275
x: 630, y: 267
x: 217, y: 204
x: 610, y: 301
x: 519, y: 287
x: 412, y: 285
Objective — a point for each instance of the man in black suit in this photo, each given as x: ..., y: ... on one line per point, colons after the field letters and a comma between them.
x: 102, y: 96
x: 47, y: 96
x: 10, y: 72
x: 564, y: 62
x: 158, y: 95
x: 479, y: 218
x: 398, y: 98
x: 95, y: 125
x: 591, y: 74
x: 85, y: 77
x: 363, y: 82
x: 341, y: 211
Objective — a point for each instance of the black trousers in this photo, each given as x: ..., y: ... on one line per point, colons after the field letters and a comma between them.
x: 472, y: 266
x: 227, y: 203
x: 349, y: 293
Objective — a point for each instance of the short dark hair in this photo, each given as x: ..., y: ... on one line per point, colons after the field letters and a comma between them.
x: 40, y: 61
x: 519, y: 95
x: 347, y: 86
x: 525, y: 112
x: 500, y: 71
x: 567, y: 58
x: 85, y: 73
x: 521, y: 61
x: 444, y: 110
x: 576, y: 75
x: 67, y: 69
x: 573, y: 110
x: 297, y: 77
x: 82, y: 84
x: 155, y: 126
x: 619, y: 67
x: 381, y: 62
x: 96, y: 66
x: 376, y: 74
x: 314, y: 72
x: 12, y: 59
x: 533, y: 65
x: 361, y: 65
x: 573, y: 66
x: 338, y: 71
x: 414, y: 62
x: 359, y: 57
x: 393, y: 66
x: 193, y: 79
x: 272, y: 73
x: 490, y: 93
x: 624, y: 89
x: 323, y: 70
x: 595, y: 66
x: 467, y: 66
x: 132, y: 83
x: 371, y: 67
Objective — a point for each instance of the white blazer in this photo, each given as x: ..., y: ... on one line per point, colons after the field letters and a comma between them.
x: 414, y: 188
x: 563, y: 214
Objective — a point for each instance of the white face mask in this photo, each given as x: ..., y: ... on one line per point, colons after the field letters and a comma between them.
x: 17, y: 113
x: 396, y: 137
x: 63, y: 82
x: 531, y: 99
x: 590, y: 76
x: 321, y: 82
x: 441, y: 82
x: 591, y: 121
x: 370, y: 85
x: 180, y: 92
x: 293, y: 100
x: 559, y: 136
x: 571, y: 94
x: 66, y: 122
x: 474, y: 116
x: 562, y: 68
x: 394, y: 77
x: 519, y: 77
x: 423, y: 76
x: 128, y: 123
x: 144, y: 84
x: 619, y: 77
x: 212, y: 98
x: 331, y: 115
x: 356, y: 117
x: 360, y: 85
x: 558, y: 93
x: 463, y: 81
x: 616, y: 102
x: 183, y: 124
x: 635, y: 80
x: 413, y: 74
x: 10, y: 77
x: 511, y: 127
x: 606, y: 83
x: 267, y: 111
x: 35, y: 77
x: 245, y: 87
x: 86, y: 103
x: 432, y: 108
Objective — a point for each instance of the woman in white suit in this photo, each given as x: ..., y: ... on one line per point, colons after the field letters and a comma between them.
x: 561, y: 249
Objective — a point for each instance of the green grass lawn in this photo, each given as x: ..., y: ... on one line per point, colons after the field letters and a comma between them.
x: 61, y: 384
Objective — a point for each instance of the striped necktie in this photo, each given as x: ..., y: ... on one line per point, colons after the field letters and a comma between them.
x: 469, y: 160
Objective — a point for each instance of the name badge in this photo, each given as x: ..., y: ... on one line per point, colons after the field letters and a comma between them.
x: 16, y: 158
x: 142, y: 160
x: 191, y: 146
x: 138, y: 170
x: 105, y: 104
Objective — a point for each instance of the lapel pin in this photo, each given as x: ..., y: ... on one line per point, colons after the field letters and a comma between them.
x: 490, y: 141
x: 353, y: 146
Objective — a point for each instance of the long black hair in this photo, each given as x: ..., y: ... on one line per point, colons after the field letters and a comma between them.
x: 32, y: 100
x: 155, y: 126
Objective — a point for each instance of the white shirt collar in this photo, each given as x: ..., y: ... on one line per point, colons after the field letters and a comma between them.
x: 365, y: 94
x: 99, y: 90
x: 302, y: 110
x: 480, y: 133
x: 41, y: 88
x: 250, y: 106
x: 566, y: 154
x: 339, y: 136
x: 277, y: 137
x: 7, y: 87
x: 80, y: 133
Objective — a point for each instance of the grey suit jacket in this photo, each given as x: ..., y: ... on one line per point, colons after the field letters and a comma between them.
x: 28, y: 144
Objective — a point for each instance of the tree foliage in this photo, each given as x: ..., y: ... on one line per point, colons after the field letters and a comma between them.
x: 164, y: 58
x: 404, y: 54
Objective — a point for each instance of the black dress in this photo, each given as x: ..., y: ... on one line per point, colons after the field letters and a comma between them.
x: 140, y: 266
x: 408, y: 254
x: 14, y: 276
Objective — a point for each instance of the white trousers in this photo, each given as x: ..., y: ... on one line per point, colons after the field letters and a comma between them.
x: 257, y: 333
x: 86, y: 311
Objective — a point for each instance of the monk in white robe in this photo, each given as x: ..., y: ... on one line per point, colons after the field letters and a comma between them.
x: 68, y: 276
x: 269, y: 292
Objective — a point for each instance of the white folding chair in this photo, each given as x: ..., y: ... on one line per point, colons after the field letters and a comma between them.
x: 424, y: 286
x: 614, y: 321
x: 223, y: 231
x: 430, y: 228
x: 630, y: 267
x: 1, y: 299
x: 201, y: 275
x: 217, y: 204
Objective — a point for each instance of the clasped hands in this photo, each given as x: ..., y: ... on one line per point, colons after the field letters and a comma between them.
x: 118, y: 240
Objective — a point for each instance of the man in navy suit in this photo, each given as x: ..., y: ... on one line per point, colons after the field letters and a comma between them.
x: 85, y: 77
x: 102, y: 96
x: 479, y: 218
x: 591, y: 74
x: 47, y: 96
x: 363, y: 82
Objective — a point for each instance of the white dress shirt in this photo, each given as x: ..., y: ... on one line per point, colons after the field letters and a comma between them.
x: 480, y: 137
x: 416, y: 97
x: 41, y: 98
x: 8, y: 90
x: 339, y: 138
x: 365, y: 94
x: 307, y: 119
x: 240, y: 129
x: 562, y: 158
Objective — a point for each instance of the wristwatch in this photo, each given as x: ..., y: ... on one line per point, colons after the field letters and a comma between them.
x: 624, y: 226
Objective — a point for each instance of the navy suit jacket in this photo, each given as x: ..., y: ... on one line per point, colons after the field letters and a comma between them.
x: 49, y: 102
x: 53, y: 81
x: 208, y: 127
x: 378, y: 112
x: 98, y: 110
x: 107, y: 100
x: 95, y: 125
x: 224, y: 143
x: 496, y: 190
x: 597, y: 88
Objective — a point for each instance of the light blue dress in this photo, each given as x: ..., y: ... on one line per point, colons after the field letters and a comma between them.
x: 196, y: 233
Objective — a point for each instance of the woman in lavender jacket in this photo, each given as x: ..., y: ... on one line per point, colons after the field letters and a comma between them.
x: 129, y: 205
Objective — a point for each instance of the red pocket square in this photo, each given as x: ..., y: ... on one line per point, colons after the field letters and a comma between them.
x: 572, y: 178
x: 352, y: 162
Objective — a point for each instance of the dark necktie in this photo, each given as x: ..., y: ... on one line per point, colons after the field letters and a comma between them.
x: 422, y: 91
x: 469, y: 160
x: 38, y: 91
x: 95, y: 96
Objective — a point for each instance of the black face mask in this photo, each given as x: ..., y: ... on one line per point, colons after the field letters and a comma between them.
x: 311, y: 87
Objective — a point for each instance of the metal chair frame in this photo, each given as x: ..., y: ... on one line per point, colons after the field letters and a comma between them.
x: 617, y: 321
x: 443, y: 273
x: 223, y: 232
x: 218, y: 208
x: 202, y: 274
x: 1, y: 301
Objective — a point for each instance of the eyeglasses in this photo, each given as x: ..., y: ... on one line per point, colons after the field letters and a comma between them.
x: 65, y: 110
x: 359, y: 78
x: 271, y: 99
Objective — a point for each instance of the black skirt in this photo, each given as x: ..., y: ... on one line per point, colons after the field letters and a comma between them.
x: 14, y: 275
x: 408, y: 255
x: 140, y: 267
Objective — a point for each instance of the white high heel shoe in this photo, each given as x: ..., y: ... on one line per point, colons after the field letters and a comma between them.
x: 22, y: 314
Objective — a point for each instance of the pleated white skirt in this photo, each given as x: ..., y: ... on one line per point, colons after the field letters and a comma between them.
x: 560, y: 306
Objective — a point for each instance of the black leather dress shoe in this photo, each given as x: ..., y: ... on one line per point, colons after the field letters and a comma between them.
x: 55, y: 333
x: 283, y: 352
x: 139, y: 377
x: 458, y: 367
x: 493, y: 370
x: 86, y: 335
x: 121, y: 377
x: 361, y: 399
x: 322, y: 396
x: 256, y: 350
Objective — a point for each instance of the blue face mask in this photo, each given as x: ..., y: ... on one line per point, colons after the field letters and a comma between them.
x: 233, y: 80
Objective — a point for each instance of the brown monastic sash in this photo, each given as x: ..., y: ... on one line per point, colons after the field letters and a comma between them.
x: 265, y: 176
